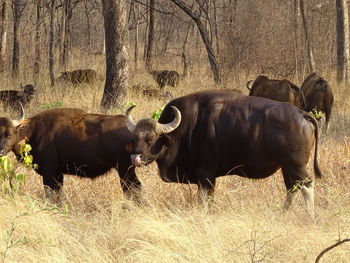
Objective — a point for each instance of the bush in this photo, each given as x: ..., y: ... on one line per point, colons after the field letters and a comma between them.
x: 317, y: 114
x: 47, y: 106
x: 10, y: 180
x: 157, y: 113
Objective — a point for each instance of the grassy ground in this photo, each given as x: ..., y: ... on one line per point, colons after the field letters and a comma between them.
x: 247, y: 223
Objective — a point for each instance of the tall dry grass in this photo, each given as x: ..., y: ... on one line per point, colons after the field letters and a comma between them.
x: 247, y: 223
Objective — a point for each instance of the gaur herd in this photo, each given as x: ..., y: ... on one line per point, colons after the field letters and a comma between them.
x: 198, y: 137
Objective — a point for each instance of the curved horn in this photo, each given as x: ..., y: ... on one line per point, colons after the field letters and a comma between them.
x: 169, y: 127
x: 19, y: 121
x: 129, y: 121
x: 248, y: 84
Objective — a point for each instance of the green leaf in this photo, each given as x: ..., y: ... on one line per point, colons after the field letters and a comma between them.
x: 156, y: 115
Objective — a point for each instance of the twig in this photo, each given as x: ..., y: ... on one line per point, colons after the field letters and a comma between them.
x: 329, y: 248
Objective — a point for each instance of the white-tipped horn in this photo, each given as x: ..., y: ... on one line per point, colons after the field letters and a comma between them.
x: 129, y: 121
x: 19, y: 121
x: 169, y: 127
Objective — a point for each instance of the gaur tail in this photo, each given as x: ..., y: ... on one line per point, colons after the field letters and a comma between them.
x: 311, y: 119
x: 248, y: 84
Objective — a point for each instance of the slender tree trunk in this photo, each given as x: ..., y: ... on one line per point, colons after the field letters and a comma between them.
x: 145, y: 37
x: 17, y: 4
x: 310, y: 54
x: 37, y: 58
x: 136, y: 50
x: 216, y: 29
x: 67, y: 10
x: 183, y: 51
x: 87, y: 15
x: 117, y: 73
x: 168, y: 36
x: 343, y: 68
x: 150, y: 39
x: 296, y: 38
x: 52, y: 43
x: 62, y: 58
x: 187, y: 34
x: 205, y: 37
x: 4, y: 18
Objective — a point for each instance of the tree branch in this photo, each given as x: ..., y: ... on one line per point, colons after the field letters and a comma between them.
x: 155, y: 9
x: 331, y: 247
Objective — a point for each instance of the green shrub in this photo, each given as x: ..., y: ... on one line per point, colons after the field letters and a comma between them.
x: 10, y: 180
x: 157, y: 113
x: 317, y: 114
x: 47, y: 106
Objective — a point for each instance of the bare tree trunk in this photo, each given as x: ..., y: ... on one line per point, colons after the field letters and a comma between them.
x: 343, y: 73
x: 4, y: 18
x: 87, y: 15
x: 62, y: 58
x: 149, y: 50
x: 205, y: 37
x: 183, y: 51
x: 37, y: 58
x: 216, y: 29
x: 67, y: 10
x: 17, y: 6
x: 52, y: 43
x: 145, y: 36
x: 295, y: 31
x: 310, y: 54
x: 136, y: 50
x: 185, y: 64
x: 117, y: 72
x: 187, y: 34
x: 168, y: 36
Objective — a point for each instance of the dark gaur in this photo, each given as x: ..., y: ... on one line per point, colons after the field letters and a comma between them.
x: 278, y: 90
x: 78, y: 76
x: 318, y: 96
x: 223, y: 132
x: 12, y: 98
x: 165, y: 78
x: 71, y: 141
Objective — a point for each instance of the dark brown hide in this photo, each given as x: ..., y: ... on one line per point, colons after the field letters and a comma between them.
x: 278, y: 90
x: 224, y: 133
x: 12, y: 98
x: 166, y: 78
x: 71, y: 141
x: 318, y: 95
x: 78, y: 76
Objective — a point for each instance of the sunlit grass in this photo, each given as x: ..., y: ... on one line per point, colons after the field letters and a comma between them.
x: 247, y: 224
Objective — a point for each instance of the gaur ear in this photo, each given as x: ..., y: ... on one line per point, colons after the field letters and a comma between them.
x: 129, y: 147
x: 165, y: 140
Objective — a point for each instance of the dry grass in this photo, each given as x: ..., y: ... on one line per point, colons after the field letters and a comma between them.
x: 247, y: 223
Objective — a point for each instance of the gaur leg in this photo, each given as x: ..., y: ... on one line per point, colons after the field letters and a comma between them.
x: 328, y: 116
x: 307, y: 190
x: 52, y: 187
x: 206, y: 159
x: 297, y: 179
x: 129, y: 182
